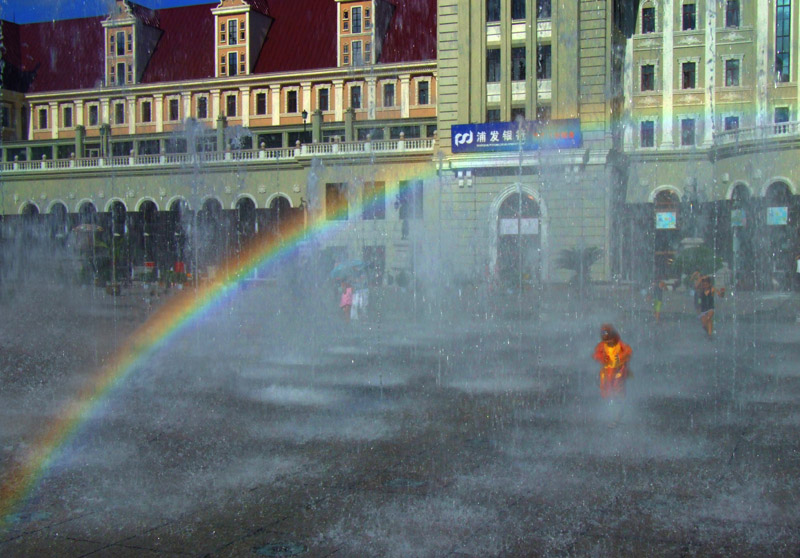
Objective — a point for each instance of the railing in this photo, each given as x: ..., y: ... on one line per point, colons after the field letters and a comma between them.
x: 333, y: 149
x: 755, y: 133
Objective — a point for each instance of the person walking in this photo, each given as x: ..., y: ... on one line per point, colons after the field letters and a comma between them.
x: 704, y: 303
x: 346, y: 300
x: 614, y: 355
x: 658, y: 299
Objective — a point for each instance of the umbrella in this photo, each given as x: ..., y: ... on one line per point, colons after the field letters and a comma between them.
x: 346, y: 269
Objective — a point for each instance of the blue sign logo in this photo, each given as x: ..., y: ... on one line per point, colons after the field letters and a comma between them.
x: 510, y: 136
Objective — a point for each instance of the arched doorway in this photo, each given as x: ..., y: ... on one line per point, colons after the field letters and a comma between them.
x: 210, y: 236
x: 518, y: 237
x: 120, y: 241
x: 59, y: 222
x: 667, y: 234
x: 178, y: 222
x: 148, y: 216
x: 279, y: 215
x: 246, y: 227
x: 87, y: 214
x: 780, y: 237
x: 742, y: 225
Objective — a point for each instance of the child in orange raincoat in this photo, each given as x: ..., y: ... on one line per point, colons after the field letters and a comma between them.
x: 614, y: 355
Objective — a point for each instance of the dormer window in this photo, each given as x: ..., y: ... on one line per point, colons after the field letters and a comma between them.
x: 232, y: 32
x: 356, y: 20
x: 121, y: 43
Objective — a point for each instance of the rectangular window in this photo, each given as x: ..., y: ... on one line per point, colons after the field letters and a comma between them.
x: 173, y: 110
x: 336, y: 201
x: 689, y: 17
x: 781, y: 115
x: 130, y: 42
x: 121, y: 73
x: 43, y: 119
x: 517, y: 9
x: 687, y: 131
x: 732, y: 72
x: 230, y: 105
x: 121, y: 43
x: 358, y: 59
x: 543, y: 9
x: 323, y: 100
x: 517, y: 113
x: 291, y: 101
x: 356, y: 20
x: 647, y: 136
x: 232, y: 57
x: 688, y: 75
x: 261, y: 103
x: 231, y: 31
x: 355, y: 96
x: 6, y: 116
x: 202, y: 107
x: 648, y: 77
x: 783, y: 21
x: 492, y: 11
x: 731, y: 123
x: 518, y: 64
x: 67, y: 118
x: 374, y: 201
x: 543, y: 62
x: 493, y: 65
x: 423, y: 97
x: 388, y: 94
x: 648, y: 20
x: 222, y: 32
x: 94, y: 115
x: 493, y: 115
x: 732, y: 13
x: 147, y: 114
x: 410, y: 200
x: 119, y: 113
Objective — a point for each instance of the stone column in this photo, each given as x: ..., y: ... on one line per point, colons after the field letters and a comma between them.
x: 245, y: 93
x: 80, y: 136
x: 79, y: 113
x: 338, y: 100
x: 159, y: 108
x: 306, y: 106
x: 214, y: 104
x: 349, y: 128
x: 667, y: 76
x: 405, y: 95
x: 316, y: 126
x: 371, y: 96
x: 187, y: 104
x: 710, y: 76
x: 54, y: 119
x: 275, y: 94
x: 131, y: 114
x: 221, y: 125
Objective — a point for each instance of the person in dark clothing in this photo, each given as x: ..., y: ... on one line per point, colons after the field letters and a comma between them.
x: 704, y: 303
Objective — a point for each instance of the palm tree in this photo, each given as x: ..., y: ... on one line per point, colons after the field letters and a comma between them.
x: 579, y: 262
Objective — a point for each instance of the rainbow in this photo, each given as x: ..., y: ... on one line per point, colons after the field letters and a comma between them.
x: 19, y: 481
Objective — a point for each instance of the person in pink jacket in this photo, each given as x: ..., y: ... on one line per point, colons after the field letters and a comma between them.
x: 346, y: 301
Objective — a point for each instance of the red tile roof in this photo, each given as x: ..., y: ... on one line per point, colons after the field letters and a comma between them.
x: 69, y: 54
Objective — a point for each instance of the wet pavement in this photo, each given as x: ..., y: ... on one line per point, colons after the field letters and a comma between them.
x: 275, y: 429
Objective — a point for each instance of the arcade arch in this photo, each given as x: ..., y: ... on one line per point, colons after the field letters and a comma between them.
x: 518, y: 237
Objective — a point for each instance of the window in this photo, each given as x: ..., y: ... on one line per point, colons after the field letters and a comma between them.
x: 648, y: 77
x: 232, y: 57
x: 687, y: 131
x: 493, y: 115
x: 731, y: 123
x: 94, y: 115
x: 291, y: 101
x: 336, y: 201
x: 732, y: 72
x: 647, y: 136
x: 222, y: 32
x: 119, y: 113
x: 688, y: 75
x: 732, y: 13
x: 517, y: 113
x: 232, y: 31
x: 781, y: 115
x: 130, y: 42
x: 368, y: 53
x: 147, y: 115
x: 422, y: 93
x: 241, y: 31
x: 173, y: 110
x: 356, y: 20
x: 261, y: 103
x: 543, y: 113
x: 648, y: 20
x: 67, y: 120
x: 6, y: 116
x: 410, y: 199
x: 230, y: 105
x: 374, y: 201
x: 493, y: 65
x: 202, y: 107
x: 388, y: 94
x: 242, y: 64
x: 543, y: 67
x: 323, y: 100
x: 543, y: 9
x: 42, y: 118
x: 517, y: 9
x: 121, y: 73
x: 121, y: 43
x: 492, y: 11
x: 518, y: 64
x: 355, y: 96
x: 783, y: 21
x: 689, y: 17
x: 358, y: 59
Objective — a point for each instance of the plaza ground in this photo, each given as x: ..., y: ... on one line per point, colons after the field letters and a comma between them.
x: 272, y: 428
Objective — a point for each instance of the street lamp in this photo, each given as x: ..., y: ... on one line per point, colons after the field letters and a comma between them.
x: 304, y: 114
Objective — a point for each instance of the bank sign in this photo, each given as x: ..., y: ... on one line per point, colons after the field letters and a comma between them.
x: 510, y: 136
